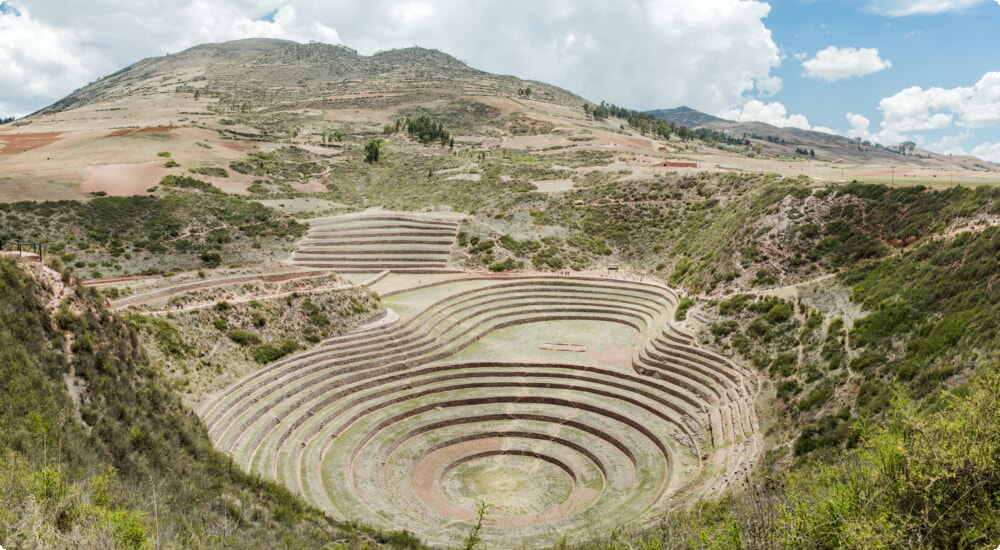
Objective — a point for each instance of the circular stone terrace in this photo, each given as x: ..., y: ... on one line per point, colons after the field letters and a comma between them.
x: 566, y: 405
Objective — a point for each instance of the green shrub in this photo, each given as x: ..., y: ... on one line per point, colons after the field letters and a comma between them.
x: 267, y: 353
x: 243, y: 337
x: 685, y: 304
x: 210, y: 171
x: 211, y: 259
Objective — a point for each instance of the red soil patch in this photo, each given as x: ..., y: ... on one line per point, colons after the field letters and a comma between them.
x: 241, y: 146
x: 127, y: 131
x: 122, y: 180
x: 19, y: 143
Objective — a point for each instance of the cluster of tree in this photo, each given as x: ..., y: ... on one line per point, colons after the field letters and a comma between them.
x: 775, y: 139
x: 423, y: 128
x: 805, y: 152
x: 5, y: 120
x: 901, y: 149
x: 524, y: 92
x: 648, y: 124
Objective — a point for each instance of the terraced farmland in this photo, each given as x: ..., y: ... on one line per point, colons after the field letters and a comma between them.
x: 414, y: 423
x: 376, y: 242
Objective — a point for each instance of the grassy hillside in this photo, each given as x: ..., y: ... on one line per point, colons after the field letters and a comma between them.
x: 882, y: 416
x: 182, y: 228
x: 98, y: 452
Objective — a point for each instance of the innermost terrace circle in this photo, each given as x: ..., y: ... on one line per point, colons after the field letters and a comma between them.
x: 509, y: 484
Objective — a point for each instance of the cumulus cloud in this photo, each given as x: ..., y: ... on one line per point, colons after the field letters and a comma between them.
x: 935, y: 110
x: 899, y: 8
x: 771, y: 113
x: 39, y: 62
x: 49, y: 50
x: 668, y: 59
x: 950, y: 145
x: 915, y: 108
x: 988, y: 151
x: 839, y: 63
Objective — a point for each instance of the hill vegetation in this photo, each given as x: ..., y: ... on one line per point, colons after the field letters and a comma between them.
x: 99, y: 452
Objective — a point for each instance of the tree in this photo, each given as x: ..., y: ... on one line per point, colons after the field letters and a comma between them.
x: 372, y: 151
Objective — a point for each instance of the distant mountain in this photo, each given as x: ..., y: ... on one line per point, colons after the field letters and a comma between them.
x: 686, y: 116
x: 775, y: 140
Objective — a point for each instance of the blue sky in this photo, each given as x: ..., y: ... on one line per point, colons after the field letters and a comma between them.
x: 950, y: 45
x: 885, y: 70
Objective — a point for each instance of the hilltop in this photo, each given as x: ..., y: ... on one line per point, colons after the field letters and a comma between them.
x: 289, y: 75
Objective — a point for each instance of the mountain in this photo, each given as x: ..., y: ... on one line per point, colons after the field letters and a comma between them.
x: 788, y: 142
x: 687, y: 116
x: 280, y: 72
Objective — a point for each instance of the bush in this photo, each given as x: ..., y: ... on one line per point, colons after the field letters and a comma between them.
x: 267, y: 353
x: 185, y: 182
x: 211, y: 259
x: 682, y: 308
x: 242, y: 337
x: 210, y: 171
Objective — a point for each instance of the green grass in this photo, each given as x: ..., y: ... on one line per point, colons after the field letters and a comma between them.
x: 89, y: 468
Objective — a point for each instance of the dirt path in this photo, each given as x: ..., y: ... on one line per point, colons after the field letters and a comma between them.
x: 250, y: 298
x: 183, y: 288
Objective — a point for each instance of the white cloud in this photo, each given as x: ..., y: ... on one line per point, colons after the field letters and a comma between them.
x: 935, y: 110
x: 50, y: 50
x: 668, y: 59
x: 859, y: 126
x: 915, y: 108
x: 39, y: 62
x: 950, y: 145
x: 771, y: 113
x: 202, y: 21
x: 772, y: 85
x: 988, y: 151
x: 899, y: 8
x: 835, y: 63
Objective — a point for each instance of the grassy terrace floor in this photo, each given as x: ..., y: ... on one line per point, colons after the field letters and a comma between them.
x: 411, y: 423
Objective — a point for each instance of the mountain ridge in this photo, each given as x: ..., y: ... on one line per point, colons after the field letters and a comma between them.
x: 785, y: 140
x: 293, y: 70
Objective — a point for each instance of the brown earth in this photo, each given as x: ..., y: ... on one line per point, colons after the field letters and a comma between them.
x: 121, y: 180
x: 20, y: 143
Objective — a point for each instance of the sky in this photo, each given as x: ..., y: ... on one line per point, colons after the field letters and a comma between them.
x: 888, y: 71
